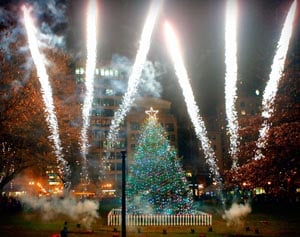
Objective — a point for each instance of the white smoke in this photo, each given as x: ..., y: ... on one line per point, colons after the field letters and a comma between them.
x: 141, y: 206
x: 149, y: 81
x: 84, y: 212
x: 53, y: 28
x: 234, y: 216
x: 50, y: 17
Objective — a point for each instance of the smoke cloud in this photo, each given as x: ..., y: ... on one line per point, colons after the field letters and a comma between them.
x: 149, y: 81
x: 236, y: 213
x: 84, y: 212
x: 51, y: 22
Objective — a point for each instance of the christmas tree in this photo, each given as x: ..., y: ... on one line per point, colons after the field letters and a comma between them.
x: 156, y: 182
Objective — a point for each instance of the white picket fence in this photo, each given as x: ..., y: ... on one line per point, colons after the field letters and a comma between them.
x: 202, y: 219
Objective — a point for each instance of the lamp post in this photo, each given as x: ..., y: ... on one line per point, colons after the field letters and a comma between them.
x: 123, y: 214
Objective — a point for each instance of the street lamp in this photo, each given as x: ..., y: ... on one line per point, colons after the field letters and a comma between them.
x: 123, y: 153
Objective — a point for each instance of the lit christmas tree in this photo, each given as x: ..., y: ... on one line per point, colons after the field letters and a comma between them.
x: 156, y: 182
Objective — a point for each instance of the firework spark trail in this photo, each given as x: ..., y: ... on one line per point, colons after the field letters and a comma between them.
x: 89, y: 80
x: 46, y: 94
x: 134, y: 77
x: 174, y: 50
x: 274, y: 78
x: 231, y: 77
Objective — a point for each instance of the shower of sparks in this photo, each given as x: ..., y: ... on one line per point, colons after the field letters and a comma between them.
x: 91, y: 45
x: 231, y: 77
x: 274, y: 78
x: 47, y: 95
x: 180, y: 70
x: 134, y: 77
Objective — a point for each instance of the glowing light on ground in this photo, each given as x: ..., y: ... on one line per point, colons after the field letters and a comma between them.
x: 274, y: 78
x: 135, y: 74
x: 193, y: 110
x: 91, y: 45
x: 231, y: 77
x: 47, y: 95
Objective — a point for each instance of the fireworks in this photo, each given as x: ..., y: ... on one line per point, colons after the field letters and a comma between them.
x: 174, y: 51
x: 182, y: 75
x: 274, y: 78
x: 231, y: 76
x: 134, y: 77
x: 46, y: 93
x: 91, y: 45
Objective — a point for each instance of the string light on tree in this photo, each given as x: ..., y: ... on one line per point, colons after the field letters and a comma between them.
x: 157, y: 183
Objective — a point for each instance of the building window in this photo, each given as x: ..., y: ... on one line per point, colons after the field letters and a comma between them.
x: 118, y: 102
x: 96, y: 102
x: 107, y: 112
x: 118, y: 156
x: 112, y: 166
x: 79, y: 79
x: 134, y: 136
x: 96, y: 134
x: 108, y: 92
x: 122, y: 134
x: 120, y: 145
x: 169, y: 127
x: 96, y: 112
x: 79, y: 71
x: 132, y: 146
x: 134, y: 126
x: 116, y: 73
x: 119, y: 166
x: 171, y: 137
x: 107, y: 102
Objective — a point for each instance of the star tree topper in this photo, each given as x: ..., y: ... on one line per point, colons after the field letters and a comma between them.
x: 152, y: 113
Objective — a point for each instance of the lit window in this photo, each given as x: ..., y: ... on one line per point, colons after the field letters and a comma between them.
x: 107, y: 102
x: 243, y: 112
x: 97, y: 71
x: 102, y: 72
x: 109, y: 92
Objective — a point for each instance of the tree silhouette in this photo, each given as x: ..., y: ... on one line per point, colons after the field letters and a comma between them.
x: 279, y: 170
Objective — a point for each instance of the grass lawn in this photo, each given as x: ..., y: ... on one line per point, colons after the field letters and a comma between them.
x: 262, y: 221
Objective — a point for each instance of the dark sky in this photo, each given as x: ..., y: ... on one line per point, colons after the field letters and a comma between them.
x: 200, y: 28
x: 200, y: 25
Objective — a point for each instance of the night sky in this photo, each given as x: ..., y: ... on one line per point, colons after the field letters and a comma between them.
x: 200, y: 28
